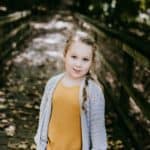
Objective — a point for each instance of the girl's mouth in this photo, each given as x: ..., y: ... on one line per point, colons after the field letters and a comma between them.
x: 76, y: 70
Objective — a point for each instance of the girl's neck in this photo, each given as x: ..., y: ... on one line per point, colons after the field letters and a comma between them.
x: 68, y: 81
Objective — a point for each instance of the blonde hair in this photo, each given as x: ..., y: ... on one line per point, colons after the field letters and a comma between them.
x: 91, y: 73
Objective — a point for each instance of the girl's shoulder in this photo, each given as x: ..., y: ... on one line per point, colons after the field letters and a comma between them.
x: 95, y: 85
x: 54, y: 79
x: 96, y: 93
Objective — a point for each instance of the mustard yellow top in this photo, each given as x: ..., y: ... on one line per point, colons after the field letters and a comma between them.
x: 64, y: 132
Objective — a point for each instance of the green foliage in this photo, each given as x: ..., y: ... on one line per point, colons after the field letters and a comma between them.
x: 115, y: 11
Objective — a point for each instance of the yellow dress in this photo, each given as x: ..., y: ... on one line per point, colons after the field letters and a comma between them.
x: 64, y: 131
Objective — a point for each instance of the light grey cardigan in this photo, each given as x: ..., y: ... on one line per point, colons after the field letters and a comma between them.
x: 92, y: 121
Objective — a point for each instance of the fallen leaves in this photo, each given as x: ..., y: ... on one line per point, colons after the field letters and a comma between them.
x: 10, y: 130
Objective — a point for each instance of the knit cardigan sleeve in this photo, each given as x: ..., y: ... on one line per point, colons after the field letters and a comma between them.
x: 97, y: 119
x: 42, y: 105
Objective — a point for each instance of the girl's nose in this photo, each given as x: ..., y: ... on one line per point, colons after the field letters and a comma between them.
x: 78, y: 63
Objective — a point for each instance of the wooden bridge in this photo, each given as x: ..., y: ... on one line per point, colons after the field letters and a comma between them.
x: 30, y: 52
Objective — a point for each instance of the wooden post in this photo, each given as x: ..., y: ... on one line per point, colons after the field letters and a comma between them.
x: 127, y: 70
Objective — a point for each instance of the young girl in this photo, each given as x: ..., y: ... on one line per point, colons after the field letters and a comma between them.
x: 73, y: 106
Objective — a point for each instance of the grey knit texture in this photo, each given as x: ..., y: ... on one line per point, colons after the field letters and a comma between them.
x: 92, y: 120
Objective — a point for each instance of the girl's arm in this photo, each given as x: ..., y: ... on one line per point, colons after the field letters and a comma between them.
x: 42, y: 106
x: 97, y: 119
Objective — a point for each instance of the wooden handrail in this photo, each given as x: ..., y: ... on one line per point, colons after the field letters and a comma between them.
x: 13, y: 33
x: 17, y: 30
x: 14, y: 17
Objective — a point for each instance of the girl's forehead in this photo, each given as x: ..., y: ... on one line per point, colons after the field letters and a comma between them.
x: 80, y: 46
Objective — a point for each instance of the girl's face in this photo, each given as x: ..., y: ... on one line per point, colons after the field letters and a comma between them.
x: 78, y: 60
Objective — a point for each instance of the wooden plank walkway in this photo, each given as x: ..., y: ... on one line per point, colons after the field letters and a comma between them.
x: 20, y: 98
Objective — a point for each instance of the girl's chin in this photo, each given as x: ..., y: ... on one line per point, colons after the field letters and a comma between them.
x: 77, y: 76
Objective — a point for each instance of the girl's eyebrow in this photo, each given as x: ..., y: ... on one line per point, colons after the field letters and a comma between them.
x: 87, y: 57
x: 74, y: 53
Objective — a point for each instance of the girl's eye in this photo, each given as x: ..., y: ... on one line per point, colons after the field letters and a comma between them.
x: 74, y: 56
x: 85, y: 59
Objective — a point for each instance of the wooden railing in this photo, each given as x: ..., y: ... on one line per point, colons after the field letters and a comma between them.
x: 14, y: 28
x: 125, y: 58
